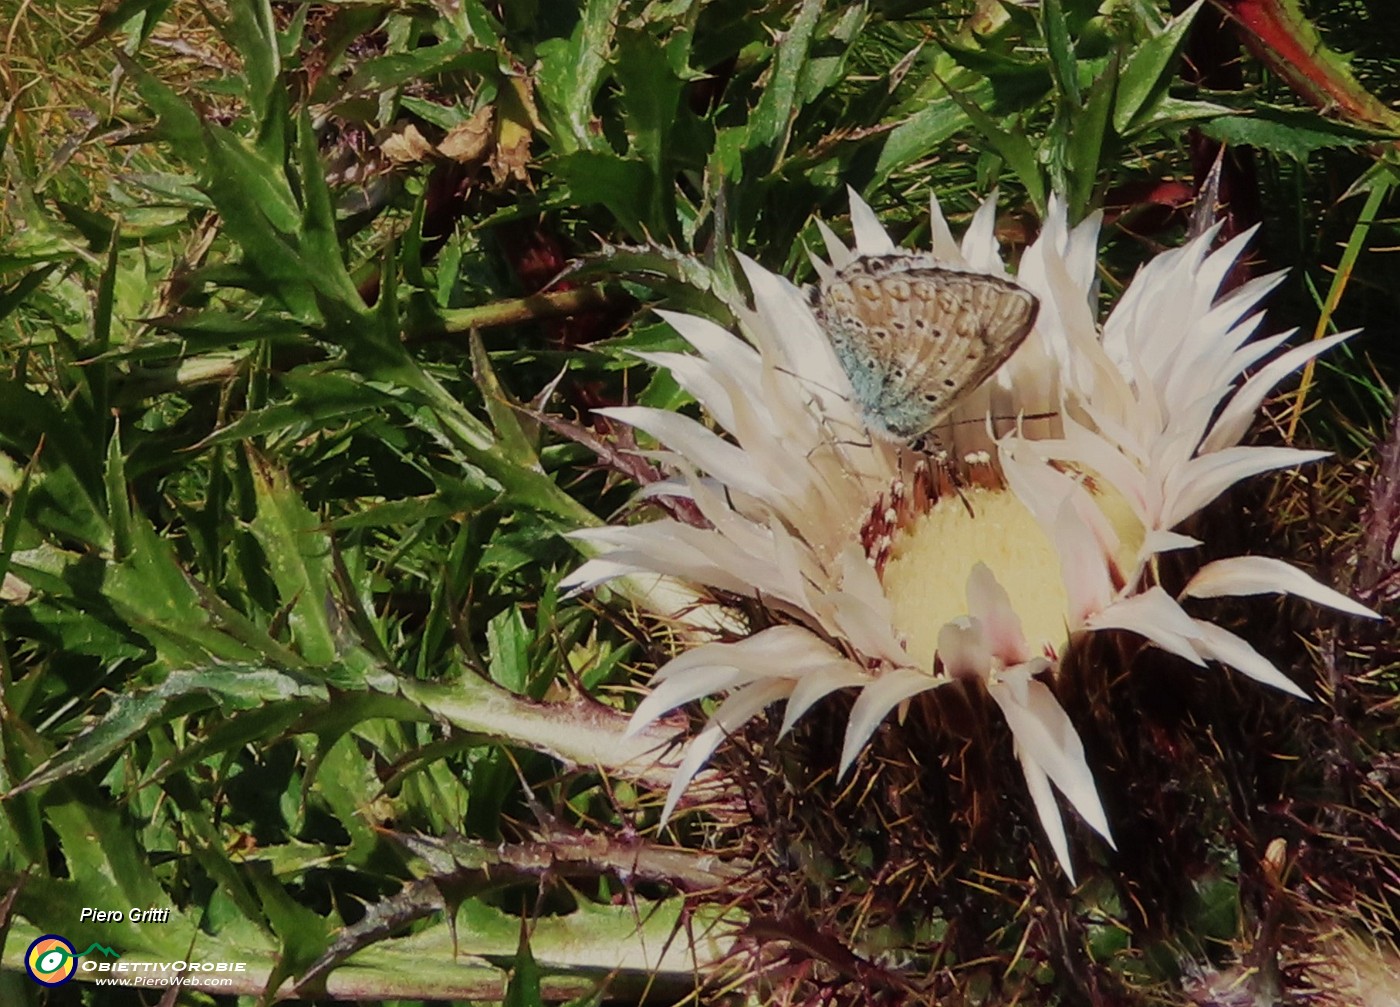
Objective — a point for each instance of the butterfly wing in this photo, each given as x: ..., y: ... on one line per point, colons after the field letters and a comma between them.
x: 915, y: 337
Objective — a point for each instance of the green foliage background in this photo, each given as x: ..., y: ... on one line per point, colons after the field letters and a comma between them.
x: 292, y: 400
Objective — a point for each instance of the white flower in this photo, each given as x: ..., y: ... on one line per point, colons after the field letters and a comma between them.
x: 892, y: 572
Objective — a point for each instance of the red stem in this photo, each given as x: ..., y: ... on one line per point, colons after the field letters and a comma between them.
x: 1278, y: 34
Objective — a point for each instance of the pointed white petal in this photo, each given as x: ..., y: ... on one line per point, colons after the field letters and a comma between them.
x: 702, y: 447
x: 733, y: 713
x: 1084, y: 569
x: 702, y: 381
x: 812, y: 686
x: 1204, y: 478
x: 595, y: 572
x: 979, y: 244
x: 715, y: 344
x: 1256, y: 350
x: 1048, y: 812
x: 963, y: 649
x: 1236, y: 417
x: 1166, y: 541
x: 860, y: 611
x: 1045, y: 735
x: 836, y: 249
x: 1155, y: 615
x: 666, y: 696
x: 941, y: 243
x: 1221, y: 645
x: 780, y: 650
x: 876, y: 701
x: 1266, y: 575
x: 871, y: 238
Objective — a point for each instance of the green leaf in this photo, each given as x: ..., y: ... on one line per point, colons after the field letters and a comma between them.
x: 509, y: 638
x: 652, y: 113
x: 346, y: 782
x: 319, y: 397
x: 524, y: 988
x: 132, y: 714
x: 298, y: 552
x: 1091, y: 142
x: 97, y: 374
x: 320, y: 243
x: 251, y: 32
x: 1294, y: 133
x: 249, y: 179
x: 771, y: 121
x: 259, y: 725
x: 15, y: 513
x: 384, y: 73
x: 571, y: 72
x: 156, y: 597
x: 178, y: 123
x: 303, y: 933
x: 7, y: 122
x: 113, y: 17
x: 70, y: 489
x: 621, y: 184
x: 516, y: 446
x: 1149, y: 70
x: 1063, y: 68
x: 1011, y: 143
x: 17, y: 293
x: 118, y: 497
x: 939, y: 119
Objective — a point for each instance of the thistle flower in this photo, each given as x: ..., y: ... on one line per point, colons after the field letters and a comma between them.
x: 893, y: 571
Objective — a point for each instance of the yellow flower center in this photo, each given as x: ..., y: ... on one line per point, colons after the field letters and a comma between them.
x: 934, y: 539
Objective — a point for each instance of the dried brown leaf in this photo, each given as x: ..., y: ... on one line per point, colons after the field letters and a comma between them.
x: 407, y: 146
x: 469, y: 142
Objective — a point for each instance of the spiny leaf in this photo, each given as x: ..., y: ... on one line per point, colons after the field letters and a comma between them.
x: 524, y: 988
x: 1148, y: 70
x: 298, y: 554
x: 516, y: 446
x: 1294, y: 133
x: 178, y: 123
x: 772, y: 118
x: 571, y: 72
x: 182, y: 692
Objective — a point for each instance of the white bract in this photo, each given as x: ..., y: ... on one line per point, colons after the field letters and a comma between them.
x: 891, y: 572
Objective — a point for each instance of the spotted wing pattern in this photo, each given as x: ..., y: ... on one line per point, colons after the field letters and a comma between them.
x: 915, y: 336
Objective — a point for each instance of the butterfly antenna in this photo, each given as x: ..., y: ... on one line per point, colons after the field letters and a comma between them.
x: 1018, y: 418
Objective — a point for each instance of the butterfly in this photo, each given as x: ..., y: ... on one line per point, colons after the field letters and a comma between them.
x: 915, y: 336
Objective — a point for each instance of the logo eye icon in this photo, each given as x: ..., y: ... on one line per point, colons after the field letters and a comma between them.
x: 51, y: 961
